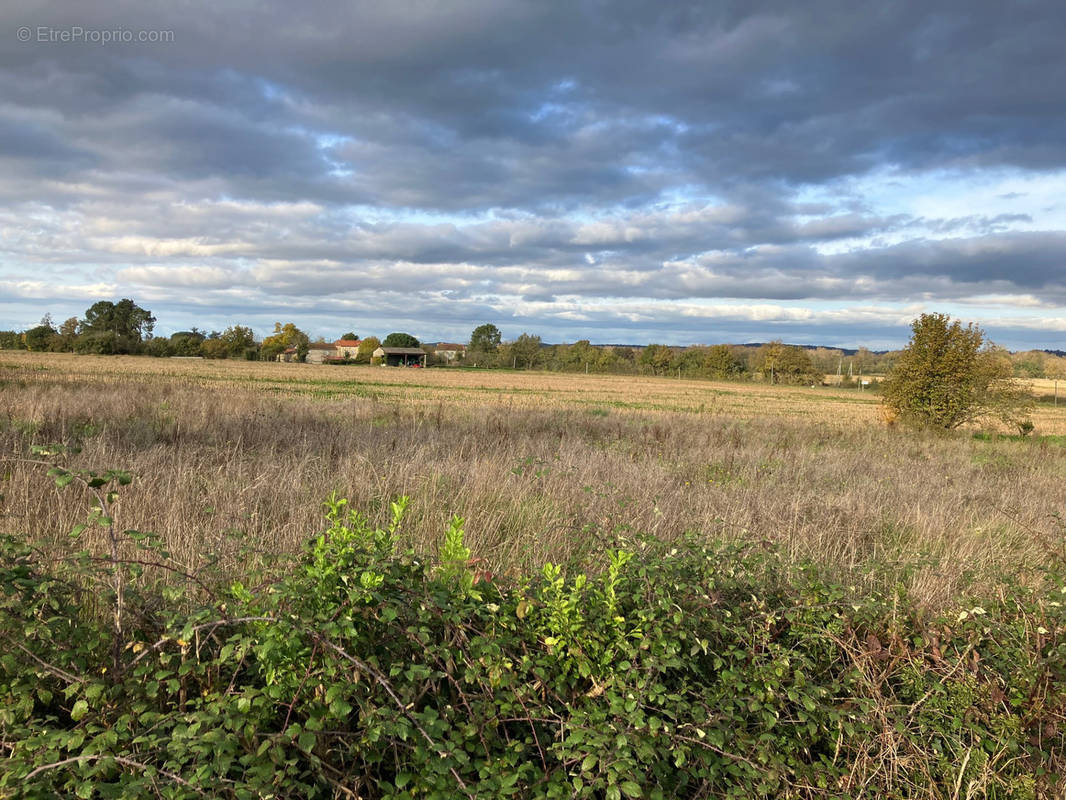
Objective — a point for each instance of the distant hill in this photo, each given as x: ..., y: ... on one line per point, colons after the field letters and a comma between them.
x: 848, y: 351
x: 845, y: 350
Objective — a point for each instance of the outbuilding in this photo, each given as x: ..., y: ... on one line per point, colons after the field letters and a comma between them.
x: 400, y: 356
x: 318, y: 352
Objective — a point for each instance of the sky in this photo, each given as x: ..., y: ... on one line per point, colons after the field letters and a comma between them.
x: 630, y: 172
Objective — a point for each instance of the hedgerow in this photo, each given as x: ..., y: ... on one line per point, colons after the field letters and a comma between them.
x: 700, y: 669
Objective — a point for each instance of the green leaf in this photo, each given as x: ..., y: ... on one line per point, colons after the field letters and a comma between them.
x: 340, y: 709
x: 80, y: 709
x: 631, y: 789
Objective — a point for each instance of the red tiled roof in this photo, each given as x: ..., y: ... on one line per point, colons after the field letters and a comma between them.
x: 347, y: 343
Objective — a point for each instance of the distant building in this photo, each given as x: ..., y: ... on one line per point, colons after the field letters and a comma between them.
x: 346, y: 348
x: 318, y: 352
x: 450, y: 352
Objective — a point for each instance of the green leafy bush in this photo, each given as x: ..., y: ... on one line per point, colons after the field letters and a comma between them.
x: 693, y: 670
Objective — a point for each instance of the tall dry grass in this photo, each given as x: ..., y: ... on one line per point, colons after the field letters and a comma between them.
x: 543, y: 467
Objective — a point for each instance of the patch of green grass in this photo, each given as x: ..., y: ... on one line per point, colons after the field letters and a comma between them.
x: 984, y: 436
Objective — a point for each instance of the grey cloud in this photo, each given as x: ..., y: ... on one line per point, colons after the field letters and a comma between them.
x: 474, y: 155
x: 850, y: 88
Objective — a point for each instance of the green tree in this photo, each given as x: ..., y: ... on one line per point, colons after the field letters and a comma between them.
x: 485, y: 338
x: 574, y: 357
x: 39, y: 338
x: 657, y: 358
x: 949, y: 375
x: 1030, y: 364
x: 618, y: 359
x: 366, y: 349
x: 484, y: 347
x: 688, y: 362
x: 524, y: 352
x: 285, y: 336
x: 721, y: 362
x: 785, y: 363
x: 349, y: 337
x: 68, y: 335
x: 102, y: 343
x: 158, y: 347
x: 239, y: 342
x: 186, y: 343
x: 768, y: 360
x: 213, y: 346
x: 117, y: 327
x: 12, y: 340
x: 400, y: 340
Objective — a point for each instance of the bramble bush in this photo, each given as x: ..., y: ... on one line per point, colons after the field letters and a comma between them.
x: 693, y: 669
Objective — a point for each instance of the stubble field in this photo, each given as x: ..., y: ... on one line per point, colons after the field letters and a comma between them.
x: 233, y: 460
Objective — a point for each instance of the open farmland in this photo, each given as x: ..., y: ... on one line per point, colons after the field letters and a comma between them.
x: 233, y: 457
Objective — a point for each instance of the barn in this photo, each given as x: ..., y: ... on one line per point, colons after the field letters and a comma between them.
x: 400, y: 356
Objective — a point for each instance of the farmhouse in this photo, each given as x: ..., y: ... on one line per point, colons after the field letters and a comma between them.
x: 450, y: 352
x: 400, y: 356
x: 346, y: 348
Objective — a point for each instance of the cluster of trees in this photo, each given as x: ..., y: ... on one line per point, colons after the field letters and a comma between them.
x: 237, y: 341
x: 1038, y: 364
x: 124, y: 328
x: 774, y: 362
x: 107, y: 328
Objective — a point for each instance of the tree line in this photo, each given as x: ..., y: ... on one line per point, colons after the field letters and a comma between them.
x: 774, y: 362
x: 125, y: 328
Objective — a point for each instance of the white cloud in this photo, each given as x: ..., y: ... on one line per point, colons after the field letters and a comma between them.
x: 176, y: 276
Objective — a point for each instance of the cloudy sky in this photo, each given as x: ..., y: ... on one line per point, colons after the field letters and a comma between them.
x: 818, y: 172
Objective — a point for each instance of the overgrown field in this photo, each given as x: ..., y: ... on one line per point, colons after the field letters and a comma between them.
x: 230, y: 457
x: 763, y: 591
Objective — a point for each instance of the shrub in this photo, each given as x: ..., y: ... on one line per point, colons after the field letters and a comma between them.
x: 948, y: 376
x: 706, y: 670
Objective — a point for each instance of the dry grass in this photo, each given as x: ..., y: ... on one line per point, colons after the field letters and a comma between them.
x: 543, y: 467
